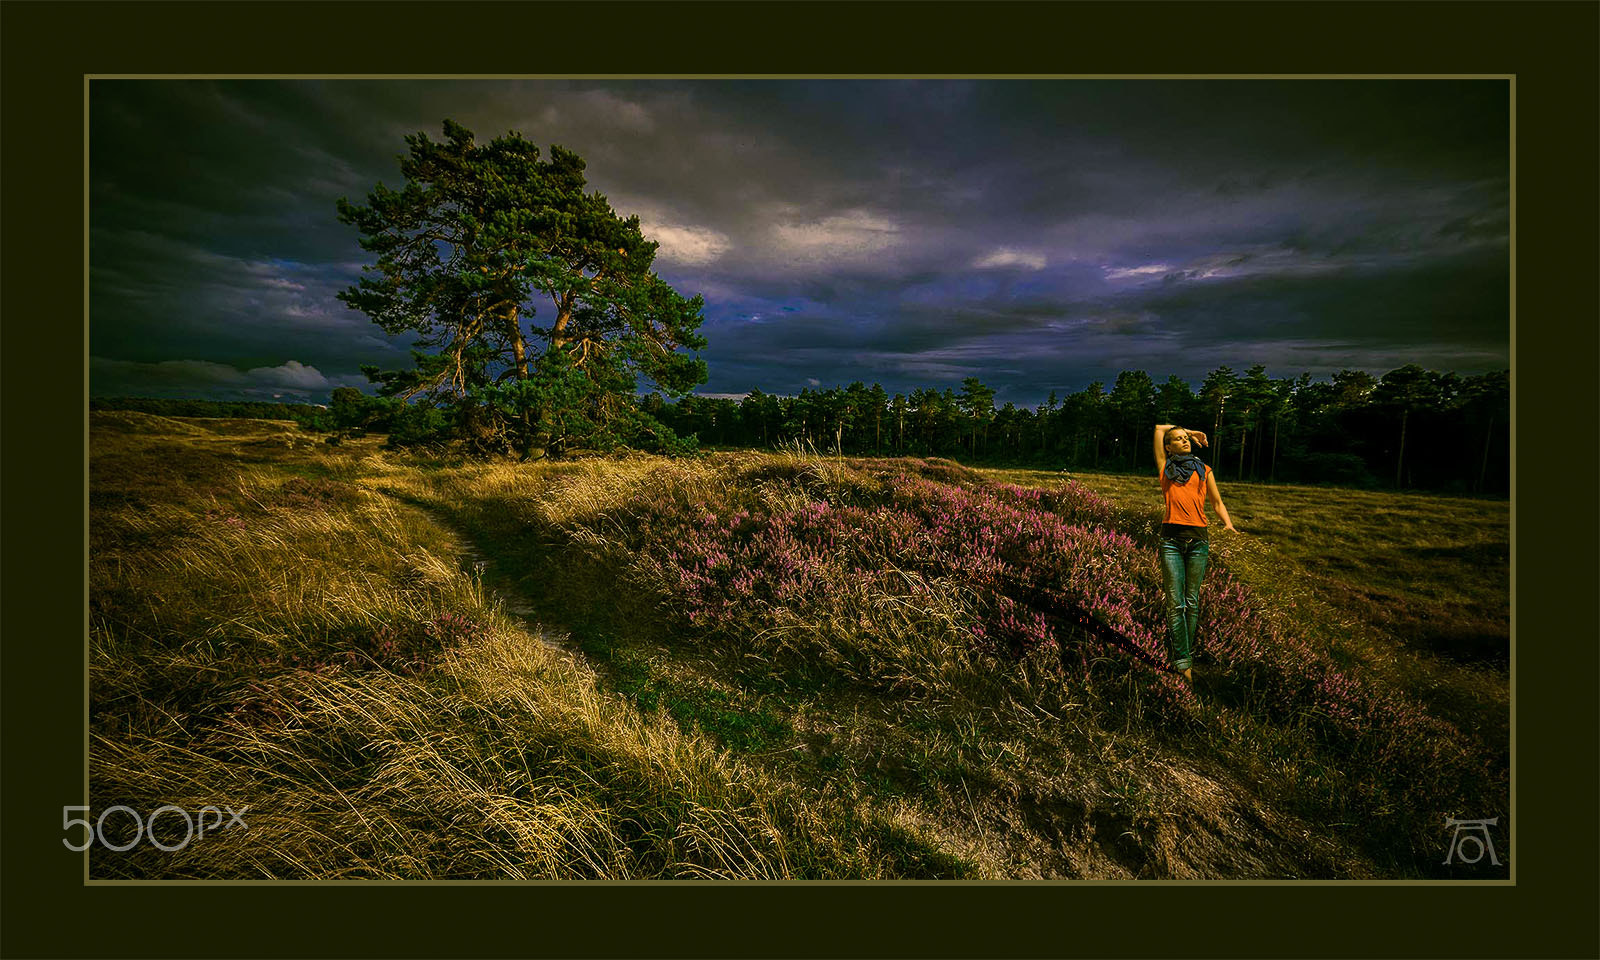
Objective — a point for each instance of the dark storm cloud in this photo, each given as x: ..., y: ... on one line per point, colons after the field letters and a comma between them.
x: 1037, y: 234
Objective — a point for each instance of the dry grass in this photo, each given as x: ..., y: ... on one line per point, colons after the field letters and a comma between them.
x: 232, y: 662
x: 423, y: 667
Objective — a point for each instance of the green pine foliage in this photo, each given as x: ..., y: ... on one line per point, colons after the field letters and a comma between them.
x: 479, y: 238
x: 1411, y: 429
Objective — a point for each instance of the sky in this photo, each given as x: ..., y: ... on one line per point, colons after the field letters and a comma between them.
x: 1036, y: 234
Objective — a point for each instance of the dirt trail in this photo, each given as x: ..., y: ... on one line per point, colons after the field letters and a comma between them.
x: 498, y: 585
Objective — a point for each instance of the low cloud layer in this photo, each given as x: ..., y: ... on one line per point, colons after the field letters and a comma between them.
x: 292, y: 381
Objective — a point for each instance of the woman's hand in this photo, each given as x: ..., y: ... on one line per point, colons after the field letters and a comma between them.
x: 1197, y: 438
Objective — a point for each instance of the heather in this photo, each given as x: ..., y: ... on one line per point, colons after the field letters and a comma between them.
x: 749, y: 665
x: 907, y: 579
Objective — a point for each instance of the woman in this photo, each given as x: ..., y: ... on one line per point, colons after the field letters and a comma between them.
x: 1186, y: 484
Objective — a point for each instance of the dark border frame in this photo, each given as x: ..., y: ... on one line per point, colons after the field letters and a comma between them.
x: 1548, y: 46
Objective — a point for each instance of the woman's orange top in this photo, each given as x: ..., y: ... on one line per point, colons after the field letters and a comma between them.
x: 1186, y: 502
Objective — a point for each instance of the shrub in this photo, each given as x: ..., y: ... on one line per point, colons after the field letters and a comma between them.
x: 1017, y: 575
x: 418, y: 426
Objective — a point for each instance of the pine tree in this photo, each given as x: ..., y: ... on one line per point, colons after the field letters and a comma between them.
x: 477, y: 236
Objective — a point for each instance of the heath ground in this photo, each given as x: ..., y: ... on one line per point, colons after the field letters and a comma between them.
x: 772, y: 665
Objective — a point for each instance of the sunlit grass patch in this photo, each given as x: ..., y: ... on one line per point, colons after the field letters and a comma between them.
x: 303, y: 643
x: 501, y: 763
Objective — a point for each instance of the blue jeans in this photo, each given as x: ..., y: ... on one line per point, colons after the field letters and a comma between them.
x: 1183, y: 566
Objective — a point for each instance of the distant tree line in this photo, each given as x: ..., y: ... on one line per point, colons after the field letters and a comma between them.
x: 1409, y: 429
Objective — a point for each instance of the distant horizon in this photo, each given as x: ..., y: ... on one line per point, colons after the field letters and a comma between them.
x: 1106, y: 382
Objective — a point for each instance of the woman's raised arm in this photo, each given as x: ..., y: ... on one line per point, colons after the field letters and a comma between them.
x: 1161, y: 446
x: 1197, y: 439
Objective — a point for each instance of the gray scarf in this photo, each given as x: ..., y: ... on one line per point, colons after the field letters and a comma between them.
x: 1181, y: 466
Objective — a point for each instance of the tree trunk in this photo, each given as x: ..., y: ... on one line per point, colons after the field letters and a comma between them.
x: 1272, y: 474
x: 1400, y: 462
x: 547, y: 437
x: 558, y: 333
x: 1255, y: 455
x: 1483, y: 470
x: 1242, y: 444
x: 1216, y: 431
x: 519, y: 350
